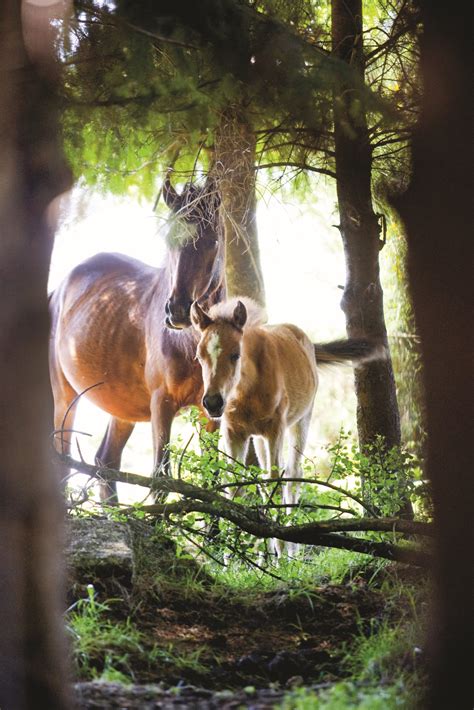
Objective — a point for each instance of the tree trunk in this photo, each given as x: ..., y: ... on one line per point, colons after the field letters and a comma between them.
x: 362, y: 303
x: 32, y: 172
x: 235, y: 170
x: 437, y: 211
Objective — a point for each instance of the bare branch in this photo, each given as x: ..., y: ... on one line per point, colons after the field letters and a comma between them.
x: 321, y: 533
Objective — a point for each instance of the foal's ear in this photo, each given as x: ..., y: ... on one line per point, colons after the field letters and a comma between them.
x: 239, y: 317
x: 199, y: 318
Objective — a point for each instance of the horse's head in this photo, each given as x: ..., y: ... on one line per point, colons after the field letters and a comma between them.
x: 195, y: 247
x: 219, y: 352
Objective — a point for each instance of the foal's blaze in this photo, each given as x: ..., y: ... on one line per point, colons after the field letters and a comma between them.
x: 109, y: 336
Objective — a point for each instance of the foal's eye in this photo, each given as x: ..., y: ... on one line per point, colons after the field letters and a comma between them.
x: 234, y: 357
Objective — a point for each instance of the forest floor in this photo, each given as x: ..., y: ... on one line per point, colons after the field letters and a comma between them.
x: 164, y: 634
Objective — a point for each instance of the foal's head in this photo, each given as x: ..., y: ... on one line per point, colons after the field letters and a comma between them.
x: 194, y: 243
x: 219, y: 352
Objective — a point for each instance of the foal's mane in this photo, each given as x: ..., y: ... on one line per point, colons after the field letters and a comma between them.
x: 224, y: 311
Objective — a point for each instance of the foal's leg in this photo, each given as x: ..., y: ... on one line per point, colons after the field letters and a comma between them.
x: 260, y: 446
x: 235, y: 450
x: 263, y: 455
x: 297, y: 442
x: 275, y: 457
x: 109, y: 454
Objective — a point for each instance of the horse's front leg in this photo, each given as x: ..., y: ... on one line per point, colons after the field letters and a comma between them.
x: 109, y: 454
x: 163, y: 410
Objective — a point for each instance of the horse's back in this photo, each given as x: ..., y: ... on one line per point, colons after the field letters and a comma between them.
x: 100, y: 272
x: 294, y: 357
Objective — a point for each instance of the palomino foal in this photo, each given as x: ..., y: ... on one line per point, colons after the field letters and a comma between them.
x: 261, y: 380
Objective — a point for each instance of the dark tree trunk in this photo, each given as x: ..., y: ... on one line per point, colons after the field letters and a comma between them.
x: 235, y: 170
x: 362, y: 303
x: 32, y: 657
x: 437, y: 211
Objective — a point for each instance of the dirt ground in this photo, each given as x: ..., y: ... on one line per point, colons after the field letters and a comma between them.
x: 205, y: 647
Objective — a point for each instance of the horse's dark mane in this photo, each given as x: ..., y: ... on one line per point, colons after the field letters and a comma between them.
x: 197, y: 206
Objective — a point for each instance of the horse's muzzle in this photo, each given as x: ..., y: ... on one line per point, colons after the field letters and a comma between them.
x: 214, y: 405
x: 177, y: 315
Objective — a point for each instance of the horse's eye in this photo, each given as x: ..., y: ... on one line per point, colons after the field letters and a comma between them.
x: 234, y: 357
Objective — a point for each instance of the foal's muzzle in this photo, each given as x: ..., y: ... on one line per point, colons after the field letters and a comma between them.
x: 214, y: 405
x: 177, y: 314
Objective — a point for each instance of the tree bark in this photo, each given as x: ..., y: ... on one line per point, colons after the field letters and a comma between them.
x: 362, y: 302
x: 32, y: 173
x: 234, y: 166
x: 437, y: 212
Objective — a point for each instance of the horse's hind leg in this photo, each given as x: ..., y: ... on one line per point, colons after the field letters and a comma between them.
x: 109, y: 454
x: 64, y: 414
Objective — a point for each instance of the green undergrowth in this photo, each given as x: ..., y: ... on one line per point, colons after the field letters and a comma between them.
x: 128, y: 637
x: 384, y: 667
x: 106, y: 648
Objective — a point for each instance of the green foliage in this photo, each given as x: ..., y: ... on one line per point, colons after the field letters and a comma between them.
x: 376, y: 481
x: 135, y: 100
x: 373, y: 480
x: 347, y: 694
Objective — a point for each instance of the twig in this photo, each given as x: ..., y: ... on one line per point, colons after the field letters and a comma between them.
x: 76, y: 399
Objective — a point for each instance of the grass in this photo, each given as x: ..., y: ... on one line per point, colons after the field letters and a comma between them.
x: 102, y: 647
x: 384, y: 665
x: 107, y: 649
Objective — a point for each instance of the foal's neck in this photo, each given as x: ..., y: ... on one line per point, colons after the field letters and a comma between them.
x: 249, y: 373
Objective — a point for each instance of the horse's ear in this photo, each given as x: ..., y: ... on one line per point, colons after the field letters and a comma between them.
x: 170, y: 196
x: 199, y: 318
x: 239, y: 317
x: 211, y: 191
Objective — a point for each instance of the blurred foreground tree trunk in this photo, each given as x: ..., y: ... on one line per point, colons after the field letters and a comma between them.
x: 437, y: 211
x: 32, y: 173
x: 234, y: 166
x: 362, y: 303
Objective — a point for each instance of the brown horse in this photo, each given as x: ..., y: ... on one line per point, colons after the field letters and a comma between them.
x: 262, y: 380
x: 120, y: 328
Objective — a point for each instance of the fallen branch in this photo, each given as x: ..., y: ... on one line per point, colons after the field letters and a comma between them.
x: 255, y: 522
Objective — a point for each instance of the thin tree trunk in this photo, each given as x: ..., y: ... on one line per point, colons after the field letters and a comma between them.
x: 362, y: 303
x: 437, y: 211
x: 32, y: 657
x: 235, y: 170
